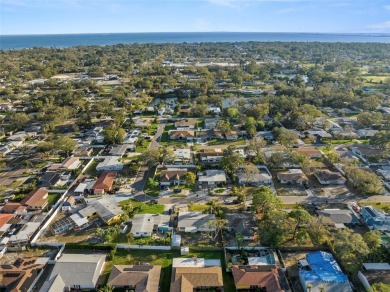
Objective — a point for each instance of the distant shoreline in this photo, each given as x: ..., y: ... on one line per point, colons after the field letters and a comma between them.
x: 9, y: 42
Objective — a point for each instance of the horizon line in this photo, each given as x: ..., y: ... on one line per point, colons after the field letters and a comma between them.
x: 165, y: 32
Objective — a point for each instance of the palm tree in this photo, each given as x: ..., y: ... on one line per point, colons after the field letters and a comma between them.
x: 106, y: 288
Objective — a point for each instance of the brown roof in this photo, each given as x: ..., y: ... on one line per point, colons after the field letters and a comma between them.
x: 326, y: 174
x: 262, y: 276
x: 186, y: 279
x: 12, y: 207
x: 308, y: 151
x: 286, y: 175
x: 105, y: 180
x: 141, y: 278
x: 4, y: 218
x: 69, y: 161
x: 171, y: 175
x: 183, y: 134
x: 231, y: 133
x: 36, y: 198
x: 185, y: 123
x: 19, y: 276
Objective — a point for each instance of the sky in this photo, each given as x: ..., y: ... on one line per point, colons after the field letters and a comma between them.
x: 116, y: 16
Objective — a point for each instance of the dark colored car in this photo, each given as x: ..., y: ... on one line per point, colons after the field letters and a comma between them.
x: 153, y: 202
x: 176, y: 191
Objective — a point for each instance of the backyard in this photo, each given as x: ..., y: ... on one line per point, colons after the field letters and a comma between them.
x: 143, y: 208
x: 164, y: 259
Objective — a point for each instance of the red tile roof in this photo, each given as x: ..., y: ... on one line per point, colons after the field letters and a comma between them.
x: 105, y: 181
x: 4, y: 218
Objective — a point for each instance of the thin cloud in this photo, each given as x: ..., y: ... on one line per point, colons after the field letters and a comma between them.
x: 387, y: 7
x: 382, y: 25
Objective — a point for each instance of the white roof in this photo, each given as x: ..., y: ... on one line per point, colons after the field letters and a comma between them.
x: 376, y: 266
x: 183, y: 153
x: 146, y: 222
x: 78, y: 219
x: 26, y: 231
x: 257, y: 261
x: 81, y: 188
x: 195, y: 263
x: 79, y: 269
x: 176, y: 240
x: 211, y: 175
x: 110, y: 161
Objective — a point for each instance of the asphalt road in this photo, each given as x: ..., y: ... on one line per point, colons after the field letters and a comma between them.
x: 142, y: 175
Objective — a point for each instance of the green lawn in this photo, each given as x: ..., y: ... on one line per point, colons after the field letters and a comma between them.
x: 345, y: 141
x: 165, y: 136
x: 198, y: 208
x: 164, y: 259
x: 376, y: 205
x: 53, y: 198
x: 214, y: 142
x: 91, y: 170
x: 144, y: 208
x: 142, y: 148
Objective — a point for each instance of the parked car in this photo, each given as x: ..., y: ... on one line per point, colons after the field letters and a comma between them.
x: 153, y: 202
x: 176, y: 191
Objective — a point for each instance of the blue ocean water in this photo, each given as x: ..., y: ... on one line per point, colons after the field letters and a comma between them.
x: 8, y: 42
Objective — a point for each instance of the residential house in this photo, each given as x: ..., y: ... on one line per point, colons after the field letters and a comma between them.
x: 21, y: 275
x: 36, y: 199
x: 110, y: 163
x: 104, y: 183
x: 292, y: 176
x: 182, y: 135
x: 231, y: 135
x: 254, y: 278
x: 71, y: 163
x: 309, y: 152
x: 345, y: 155
x: 185, y: 110
x: 194, y: 274
x: 68, y: 204
x: 254, y: 176
x: 327, y: 177
x: 215, y: 110
x: 143, y: 225
x: 375, y: 219
x: 49, y: 179
x: 145, y: 278
x: 82, y: 152
x: 242, y: 223
x: 338, y: 218
x: 4, y: 219
x: 75, y: 271
x: 210, y: 156
x: 373, y: 273
x: 320, y: 272
x: 185, y: 124
x: 368, y: 154
x: 13, y: 208
x: 366, y: 133
x: 182, y: 156
x: 106, y: 208
x: 119, y: 150
x: 80, y: 190
x: 172, y: 176
x: 195, y: 222
x: 211, y: 178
